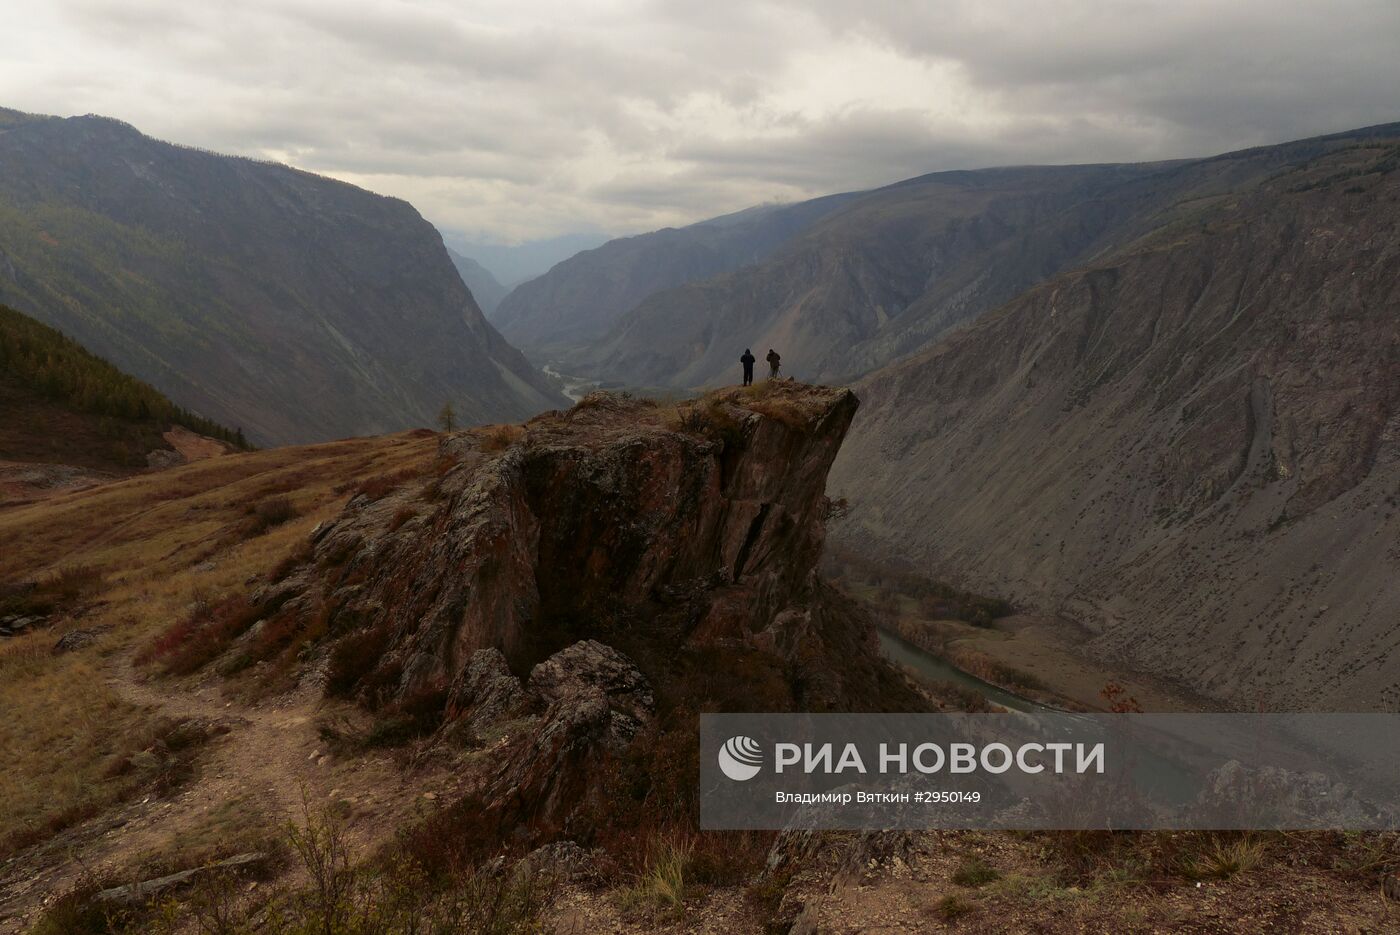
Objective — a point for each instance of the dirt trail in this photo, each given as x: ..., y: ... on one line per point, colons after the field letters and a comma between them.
x: 270, y: 757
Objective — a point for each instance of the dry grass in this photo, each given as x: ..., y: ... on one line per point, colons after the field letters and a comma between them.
x: 56, y: 592
x: 159, y: 539
x: 952, y: 907
x: 238, y: 826
x: 381, y: 485
x: 664, y: 879
x: 499, y: 437
x: 62, y: 724
x: 974, y: 872
x: 271, y: 512
x: 1221, y: 859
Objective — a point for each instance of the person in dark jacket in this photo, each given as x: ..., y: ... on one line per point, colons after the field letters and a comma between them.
x: 774, y: 363
x: 747, y: 360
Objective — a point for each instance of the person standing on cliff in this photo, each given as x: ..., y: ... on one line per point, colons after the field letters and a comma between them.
x: 775, y: 362
x: 748, y: 360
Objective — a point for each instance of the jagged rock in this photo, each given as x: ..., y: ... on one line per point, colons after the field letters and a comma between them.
x: 805, y: 922
x: 134, y: 893
x: 15, y: 624
x: 76, y: 639
x: 485, y: 692
x: 790, y: 849
x: 564, y: 860
x: 1273, y: 795
x: 612, y: 512
x: 543, y: 779
x: 597, y: 701
x: 590, y: 668
x: 616, y: 538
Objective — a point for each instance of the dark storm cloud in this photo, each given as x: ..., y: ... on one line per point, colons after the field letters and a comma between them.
x: 527, y: 118
x: 1211, y: 68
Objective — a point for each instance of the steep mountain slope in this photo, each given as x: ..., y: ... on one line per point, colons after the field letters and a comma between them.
x: 896, y: 267
x: 1190, y: 445
x: 561, y: 313
x: 290, y: 305
x: 484, y: 287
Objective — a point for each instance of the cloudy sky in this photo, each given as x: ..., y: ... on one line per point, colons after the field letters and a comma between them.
x: 524, y: 119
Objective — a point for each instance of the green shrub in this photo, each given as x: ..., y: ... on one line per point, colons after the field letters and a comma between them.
x: 974, y: 872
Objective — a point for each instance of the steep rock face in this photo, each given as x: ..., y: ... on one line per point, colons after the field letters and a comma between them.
x: 289, y: 305
x: 573, y: 574
x: 1189, y: 445
x: 583, y: 704
x: 595, y: 520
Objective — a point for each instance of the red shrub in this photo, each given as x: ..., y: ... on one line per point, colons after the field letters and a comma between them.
x: 354, y: 658
x: 190, y: 644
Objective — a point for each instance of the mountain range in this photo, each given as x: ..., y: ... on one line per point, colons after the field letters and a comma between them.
x: 1160, y: 399
x: 513, y: 264
x: 273, y: 300
x: 844, y: 285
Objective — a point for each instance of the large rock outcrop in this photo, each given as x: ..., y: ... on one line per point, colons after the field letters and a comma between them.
x: 576, y: 571
x: 610, y: 516
x: 644, y: 527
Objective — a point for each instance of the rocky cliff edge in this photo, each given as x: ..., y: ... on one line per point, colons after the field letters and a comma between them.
x: 592, y: 571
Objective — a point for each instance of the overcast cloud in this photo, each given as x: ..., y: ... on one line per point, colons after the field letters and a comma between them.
x: 522, y: 119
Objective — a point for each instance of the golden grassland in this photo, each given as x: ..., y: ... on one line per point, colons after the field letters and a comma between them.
x: 157, y: 543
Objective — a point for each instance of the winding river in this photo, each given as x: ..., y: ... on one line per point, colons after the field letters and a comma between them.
x: 936, y: 669
x: 574, y: 387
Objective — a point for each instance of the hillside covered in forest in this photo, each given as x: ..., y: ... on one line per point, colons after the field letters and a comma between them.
x: 64, y: 405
